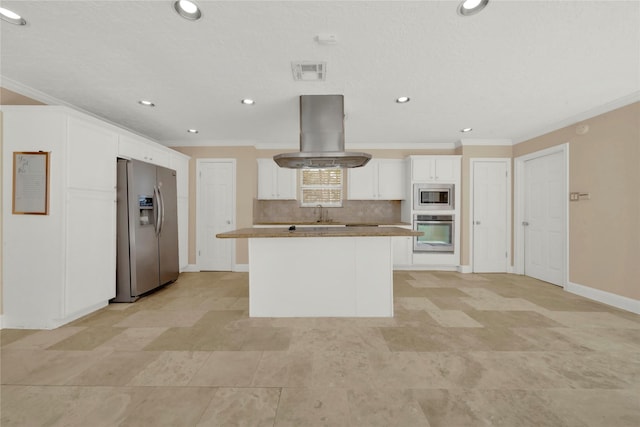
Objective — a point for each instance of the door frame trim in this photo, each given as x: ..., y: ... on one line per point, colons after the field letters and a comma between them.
x: 472, y: 163
x: 198, y: 239
x: 520, y: 196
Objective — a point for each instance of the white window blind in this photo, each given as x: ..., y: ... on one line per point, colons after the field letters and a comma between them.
x: 321, y: 187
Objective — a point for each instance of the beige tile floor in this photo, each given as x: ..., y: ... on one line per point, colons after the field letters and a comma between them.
x: 462, y: 350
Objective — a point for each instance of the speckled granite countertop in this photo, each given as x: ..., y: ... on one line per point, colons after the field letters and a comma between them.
x: 319, y: 231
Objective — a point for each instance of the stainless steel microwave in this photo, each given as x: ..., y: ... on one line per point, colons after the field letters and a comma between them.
x: 433, y: 197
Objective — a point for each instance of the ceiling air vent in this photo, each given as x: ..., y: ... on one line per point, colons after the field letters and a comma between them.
x: 309, y: 71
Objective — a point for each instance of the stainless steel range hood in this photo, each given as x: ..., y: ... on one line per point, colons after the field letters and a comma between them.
x: 321, y: 136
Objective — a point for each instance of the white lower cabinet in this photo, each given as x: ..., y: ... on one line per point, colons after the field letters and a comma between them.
x: 403, y: 250
x: 92, y: 280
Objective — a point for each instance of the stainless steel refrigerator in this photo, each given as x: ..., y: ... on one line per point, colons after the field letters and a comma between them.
x: 147, y: 229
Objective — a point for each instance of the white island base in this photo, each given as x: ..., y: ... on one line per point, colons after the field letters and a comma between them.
x: 321, y: 277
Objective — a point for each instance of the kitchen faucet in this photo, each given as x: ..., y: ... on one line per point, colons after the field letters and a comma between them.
x: 320, y: 213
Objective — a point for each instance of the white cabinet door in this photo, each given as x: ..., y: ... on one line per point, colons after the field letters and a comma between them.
x: 422, y: 169
x: 391, y: 179
x: 435, y: 169
x: 90, y: 249
x: 402, y: 250
x: 275, y: 182
x: 286, y: 184
x: 266, y: 179
x: 91, y: 156
x: 380, y: 179
x: 142, y: 150
x: 444, y: 169
x: 362, y: 182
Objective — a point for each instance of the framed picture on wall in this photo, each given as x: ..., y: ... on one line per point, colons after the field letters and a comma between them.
x: 31, y: 183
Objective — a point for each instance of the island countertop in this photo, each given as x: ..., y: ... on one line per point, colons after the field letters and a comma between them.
x: 256, y: 232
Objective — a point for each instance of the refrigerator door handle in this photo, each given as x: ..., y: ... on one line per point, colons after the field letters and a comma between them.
x: 156, y: 208
x: 161, y: 221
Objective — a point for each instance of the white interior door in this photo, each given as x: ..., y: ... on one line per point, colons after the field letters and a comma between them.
x: 544, y: 223
x: 215, y: 213
x: 490, y: 215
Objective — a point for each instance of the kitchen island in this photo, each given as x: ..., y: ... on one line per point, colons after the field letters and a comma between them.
x: 320, y: 271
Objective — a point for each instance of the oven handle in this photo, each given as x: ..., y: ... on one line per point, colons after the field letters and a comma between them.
x: 432, y: 222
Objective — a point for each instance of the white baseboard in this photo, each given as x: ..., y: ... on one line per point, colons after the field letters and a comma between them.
x: 241, y: 268
x: 191, y: 268
x: 465, y: 269
x: 1, y: 322
x: 17, y: 322
x: 406, y: 267
x: 419, y: 267
x: 618, y: 301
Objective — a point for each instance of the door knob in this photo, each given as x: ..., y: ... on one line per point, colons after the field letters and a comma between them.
x: 525, y: 223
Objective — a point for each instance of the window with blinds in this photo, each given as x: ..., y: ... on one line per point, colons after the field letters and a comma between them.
x: 321, y: 187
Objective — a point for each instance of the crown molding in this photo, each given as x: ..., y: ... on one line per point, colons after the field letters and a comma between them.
x: 588, y: 114
x: 208, y: 143
x: 485, y: 141
x: 51, y: 101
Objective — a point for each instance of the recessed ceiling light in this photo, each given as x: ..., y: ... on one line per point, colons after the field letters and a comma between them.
x: 471, y: 7
x: 403, y: 99
x: 11, y: 17
x: 466, y: 130
x: 248, y: 101
x: 146, y: 103
x: 188, y: 10
x: 192, y: 130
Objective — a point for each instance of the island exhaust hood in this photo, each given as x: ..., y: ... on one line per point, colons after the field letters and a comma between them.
x: 321, y: 136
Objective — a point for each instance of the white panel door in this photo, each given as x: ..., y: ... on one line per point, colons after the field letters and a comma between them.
x: 215, y: 214
x: 490, y: 211
x: 544, y: 221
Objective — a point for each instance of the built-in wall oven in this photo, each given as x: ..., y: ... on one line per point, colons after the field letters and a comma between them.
x: 437, y: 233
x: 433, y: 197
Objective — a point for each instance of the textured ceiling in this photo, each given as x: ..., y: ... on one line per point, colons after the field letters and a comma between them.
x: 512, y: 72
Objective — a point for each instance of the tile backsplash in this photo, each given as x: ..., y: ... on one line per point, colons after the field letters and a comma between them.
x: 351, y: 212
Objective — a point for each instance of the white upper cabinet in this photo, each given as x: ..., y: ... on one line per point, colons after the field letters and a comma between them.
x: 380, y: 179
x: 275, y: 182
x: 435, y: 169
x: 91, y: 150
x: 139, y: 149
